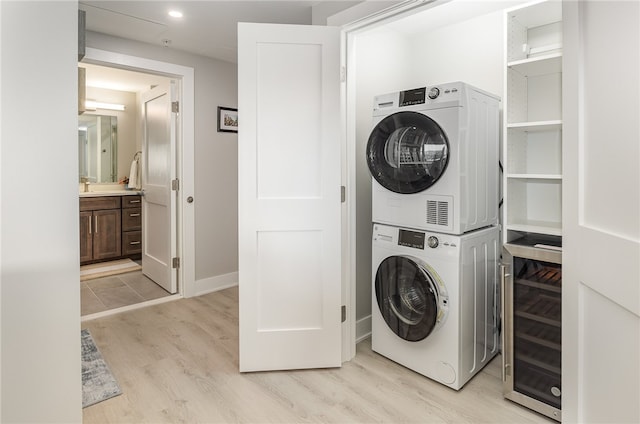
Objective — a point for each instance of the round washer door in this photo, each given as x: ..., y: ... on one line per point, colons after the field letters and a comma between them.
x: 408, y: 297
x: 407, y: 152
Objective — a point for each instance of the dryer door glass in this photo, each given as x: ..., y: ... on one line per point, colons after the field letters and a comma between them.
x: 407, y: 152
x: 407, y: 297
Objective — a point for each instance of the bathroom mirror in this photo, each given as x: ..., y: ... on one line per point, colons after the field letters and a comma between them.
x: 98, y: 148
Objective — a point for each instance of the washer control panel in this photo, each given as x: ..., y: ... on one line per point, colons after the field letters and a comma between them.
x: 413, y: 239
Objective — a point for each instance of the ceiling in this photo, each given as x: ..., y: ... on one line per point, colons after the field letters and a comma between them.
x: 207, y: 28
x: 119, y: 79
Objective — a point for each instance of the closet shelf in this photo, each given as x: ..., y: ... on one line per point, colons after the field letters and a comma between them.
x: 540, y: 65
x: 536, y: 126
x: 547, y: 228
x: 554, y: 177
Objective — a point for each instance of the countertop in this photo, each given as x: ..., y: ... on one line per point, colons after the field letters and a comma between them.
x: 110, y: 193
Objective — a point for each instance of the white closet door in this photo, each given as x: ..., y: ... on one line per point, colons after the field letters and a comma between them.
x: 289, y: 196
x: 601, y: 212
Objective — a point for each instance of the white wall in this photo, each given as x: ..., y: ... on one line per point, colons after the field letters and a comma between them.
x: 381, y: 58
x: 216, y: 157
x: 321, y: 11
x: 40, y: 296
x: 388, y: 60
x: 469, y: 51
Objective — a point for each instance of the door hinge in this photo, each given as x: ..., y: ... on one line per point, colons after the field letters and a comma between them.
x: 343, y: 74
x: 175, y: 184
x: 343, y: 313
x: 343, y: 194
x: 175, y: 107
x: 175, y: 263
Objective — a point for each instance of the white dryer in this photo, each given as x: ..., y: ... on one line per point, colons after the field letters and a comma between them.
x: 435, y: 306
x: 433, y: 156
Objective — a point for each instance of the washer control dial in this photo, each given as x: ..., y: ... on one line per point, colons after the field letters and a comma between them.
x: 433, y: 242
x: 434, y: 92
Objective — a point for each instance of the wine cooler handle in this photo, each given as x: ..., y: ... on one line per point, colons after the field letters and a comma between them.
x: 506, y: 348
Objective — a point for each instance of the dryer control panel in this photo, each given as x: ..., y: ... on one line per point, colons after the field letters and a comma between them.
x: 412, y: 97
x: 450, y: 94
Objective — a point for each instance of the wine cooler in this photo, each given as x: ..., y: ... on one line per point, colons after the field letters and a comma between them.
x: 531, y: 354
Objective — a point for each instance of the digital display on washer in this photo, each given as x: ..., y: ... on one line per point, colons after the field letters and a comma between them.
x: 411, y: 239
x: 412, y: 97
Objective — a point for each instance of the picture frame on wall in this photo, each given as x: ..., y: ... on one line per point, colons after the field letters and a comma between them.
x: 227, y: 119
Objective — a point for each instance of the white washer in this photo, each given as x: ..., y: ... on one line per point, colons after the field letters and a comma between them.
x: 435, y: 301
x: 433, y: 156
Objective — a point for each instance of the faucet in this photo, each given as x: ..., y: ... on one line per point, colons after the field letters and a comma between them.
x: 85, y: 181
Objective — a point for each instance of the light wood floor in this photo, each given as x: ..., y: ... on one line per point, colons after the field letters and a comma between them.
x: 178, y: 363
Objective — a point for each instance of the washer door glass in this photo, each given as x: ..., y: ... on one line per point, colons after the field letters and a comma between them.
x: 407, y: 297
x: 407, y: 152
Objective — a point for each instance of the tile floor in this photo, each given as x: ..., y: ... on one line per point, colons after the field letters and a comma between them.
x: 116, y: 291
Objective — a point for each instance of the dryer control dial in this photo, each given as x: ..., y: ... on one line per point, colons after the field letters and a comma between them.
x: 434, y: 92
x: 433, y: 242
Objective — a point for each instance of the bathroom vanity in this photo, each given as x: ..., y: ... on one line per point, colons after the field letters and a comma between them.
x: 110, y: 225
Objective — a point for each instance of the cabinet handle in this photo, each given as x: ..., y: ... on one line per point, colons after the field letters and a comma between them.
x: 134, y: 214
x: 135, y: 242
x: 503, y: 271
x: 89, y: 225
x: 507, y: 325
x: 96, y: 224
x: 134, y: 201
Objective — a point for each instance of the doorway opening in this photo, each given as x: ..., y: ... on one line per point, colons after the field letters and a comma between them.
x: 148, y: 92
x: 111, y: 134
x: 426, y: 44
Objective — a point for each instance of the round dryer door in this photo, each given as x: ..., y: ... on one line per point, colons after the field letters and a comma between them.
x: 407, y: 152
x: 409, y: 298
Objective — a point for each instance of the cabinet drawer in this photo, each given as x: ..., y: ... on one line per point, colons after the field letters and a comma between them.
x: 99, y: 203
x: 131, y: 242
x: 131, y: 201
x: 132, y: 219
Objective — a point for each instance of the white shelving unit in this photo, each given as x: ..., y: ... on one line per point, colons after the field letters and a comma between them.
x: 533, y: 121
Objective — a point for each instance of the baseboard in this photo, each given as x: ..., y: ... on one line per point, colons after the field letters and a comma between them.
x: 219, y: 282
x: 363, y: 328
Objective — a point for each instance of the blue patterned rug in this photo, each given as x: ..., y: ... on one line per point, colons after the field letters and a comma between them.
x: 98, y: 383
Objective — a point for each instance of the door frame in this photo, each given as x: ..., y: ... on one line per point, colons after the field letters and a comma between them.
x: 184, y: 150
x: 353, y: 25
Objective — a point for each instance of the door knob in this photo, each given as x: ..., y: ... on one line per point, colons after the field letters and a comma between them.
x: 190, y: 199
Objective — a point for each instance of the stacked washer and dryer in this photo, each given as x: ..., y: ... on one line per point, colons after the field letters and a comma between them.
x: 433, y: 156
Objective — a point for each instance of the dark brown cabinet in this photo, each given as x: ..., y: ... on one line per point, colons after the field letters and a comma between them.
x: 131, y: 225
x: 110, y: 227
x: 100, y: 228
x: 86, y: 239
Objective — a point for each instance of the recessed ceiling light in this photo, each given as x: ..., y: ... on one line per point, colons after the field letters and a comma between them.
x: 175, y: 14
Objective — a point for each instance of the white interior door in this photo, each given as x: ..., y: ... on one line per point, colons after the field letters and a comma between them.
x: 601, y: 212
x: 289, y: 196
x: 159, y: 200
